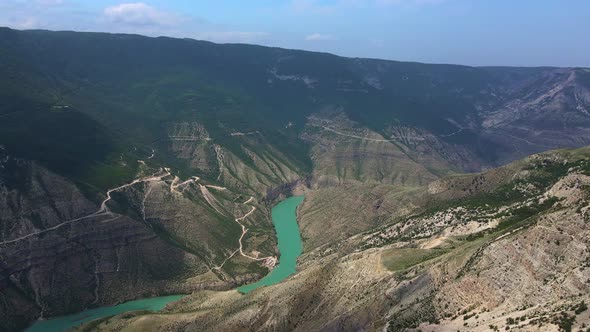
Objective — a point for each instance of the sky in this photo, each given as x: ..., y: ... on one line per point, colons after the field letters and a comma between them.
x: 469, y: 32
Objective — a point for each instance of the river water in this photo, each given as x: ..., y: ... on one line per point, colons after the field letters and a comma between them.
x: 65, y: 323
x: 284, y: 218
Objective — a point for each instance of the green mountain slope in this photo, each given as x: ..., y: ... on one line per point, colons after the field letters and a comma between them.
x: 137, y: 87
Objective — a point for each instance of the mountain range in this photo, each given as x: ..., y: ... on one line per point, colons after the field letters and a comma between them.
x: 430, y: 200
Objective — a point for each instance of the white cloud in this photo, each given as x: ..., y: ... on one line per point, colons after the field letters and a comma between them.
x: 141, y: 14
x: 144, y: 19
x: 319, y: 37
x: 128, y: 17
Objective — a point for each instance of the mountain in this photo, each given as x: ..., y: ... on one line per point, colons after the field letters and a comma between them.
x: 129, y: 164
x: 125, y: 90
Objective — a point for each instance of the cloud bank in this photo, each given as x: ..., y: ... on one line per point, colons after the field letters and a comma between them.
x: 139, y: 13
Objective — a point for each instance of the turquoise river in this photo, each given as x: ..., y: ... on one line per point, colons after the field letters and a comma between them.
x: 284, y: 218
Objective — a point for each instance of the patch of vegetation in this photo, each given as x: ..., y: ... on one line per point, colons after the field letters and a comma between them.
x: 542, y: 174
x: 522, y: 213
x: 564, y: 321
x: 68, y: 143
x: 468, y: 316
x: 472, y: 236
x: 401, y: 259
x: 412, y: 316
x: 580, y: 308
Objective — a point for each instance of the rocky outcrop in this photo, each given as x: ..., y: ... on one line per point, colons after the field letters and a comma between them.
x: 293, y: 188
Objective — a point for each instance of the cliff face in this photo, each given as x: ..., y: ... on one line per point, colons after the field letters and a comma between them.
x: 343, y: 152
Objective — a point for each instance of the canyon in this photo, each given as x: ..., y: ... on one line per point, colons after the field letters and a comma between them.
x: 435, y: 195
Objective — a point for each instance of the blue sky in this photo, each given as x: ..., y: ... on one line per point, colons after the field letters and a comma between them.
x: 471, y: 32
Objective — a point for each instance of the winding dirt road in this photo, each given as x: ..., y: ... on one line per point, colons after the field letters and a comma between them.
x: 269, y: 261
x: 103, y: 210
